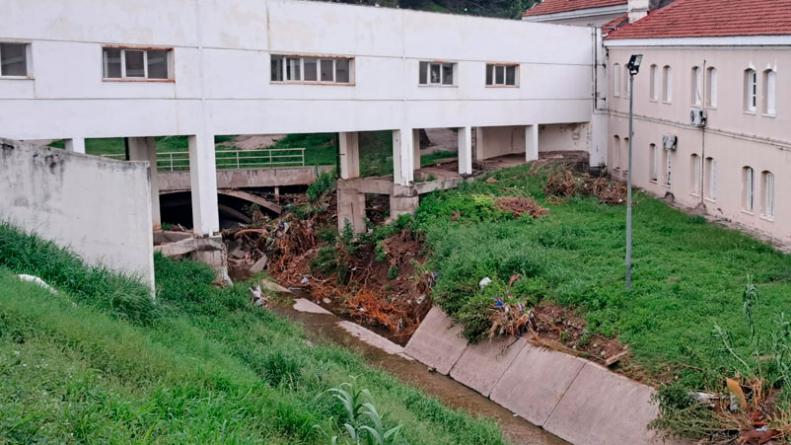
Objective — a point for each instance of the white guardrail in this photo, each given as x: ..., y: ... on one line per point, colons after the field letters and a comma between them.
x: 231, y: 159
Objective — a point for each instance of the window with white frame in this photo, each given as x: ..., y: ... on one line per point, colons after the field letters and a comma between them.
x: 616, y: 80
x: 696, y: 88
x: 750, y: 90
x: 748, y: 189
x: 712, y: 86
x: 653, y: 78
x: 498, y: 74
x: 667, y: 84
x: 770, y: 92
x: 768, y: 193
x: 694, y: 174
x: 653, y: 158
x: 311, y: 69
x: 137, y: 63
x: 437, y: 73
x: 710, y: 178
x: 627, y: 84
x: 14, y: 59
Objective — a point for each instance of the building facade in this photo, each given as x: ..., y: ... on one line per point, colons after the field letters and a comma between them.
x: 712, y: 109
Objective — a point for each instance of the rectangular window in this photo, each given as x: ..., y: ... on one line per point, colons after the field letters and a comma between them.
x: 696, y: 91
x: 616, y: 80
x: 653, y: 82
x: 303, y: 69
x: 436, y: 73
x: 711, y: 178
x: 667, y: 84
x: 768, y: 180
x: 770, y: 87
x: 750, y: 90
x: 501, y: 75
x: 137, y: 64
x: 653, y: 158
x: 311, y: 66
x: 694, y: 176
x: 712, y: 88
x: 13, y: 59
x: 666, y: 160
x: 748, y: 189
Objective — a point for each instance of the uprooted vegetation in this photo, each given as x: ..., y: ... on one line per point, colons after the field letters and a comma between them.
x: 539, y: 253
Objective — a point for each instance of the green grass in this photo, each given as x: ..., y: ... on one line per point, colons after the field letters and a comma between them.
x: 432, y: 158
x: 200, y: 366
x: 320, y: 148
x: 688, y: 274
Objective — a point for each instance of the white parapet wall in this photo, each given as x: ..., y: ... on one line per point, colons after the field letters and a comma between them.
x: 220, y: 77
x: 100, y: 209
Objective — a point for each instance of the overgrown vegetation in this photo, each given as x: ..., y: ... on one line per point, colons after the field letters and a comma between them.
x: 688, y: 320
x: 201, y: 365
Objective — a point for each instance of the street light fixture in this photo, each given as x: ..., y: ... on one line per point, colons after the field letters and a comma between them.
x: 634, y: 67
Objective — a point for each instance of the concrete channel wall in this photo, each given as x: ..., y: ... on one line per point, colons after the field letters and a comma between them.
x: 98, y: 208
x: 575, y: 399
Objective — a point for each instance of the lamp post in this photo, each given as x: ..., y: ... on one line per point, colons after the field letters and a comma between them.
x: 634, y: 67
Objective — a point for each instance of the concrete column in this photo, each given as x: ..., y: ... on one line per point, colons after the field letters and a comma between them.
x: 480, y: 144
x: 351, y: 210
x: 416, y: 148
x: 403, y: 154
x: 531, y: 143
x: 350, y: 154
x: 145, y: 149
x: 76, y: 145
x: 465, y: 151
x: 203, y: 182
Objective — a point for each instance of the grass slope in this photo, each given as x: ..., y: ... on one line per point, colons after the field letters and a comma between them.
x: 688, y: 274
x: 99, y: 363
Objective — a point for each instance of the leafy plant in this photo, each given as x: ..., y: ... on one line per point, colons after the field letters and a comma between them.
x: 362, y: 423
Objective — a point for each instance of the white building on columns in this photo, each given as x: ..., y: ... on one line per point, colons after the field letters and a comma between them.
x: 143, y: 68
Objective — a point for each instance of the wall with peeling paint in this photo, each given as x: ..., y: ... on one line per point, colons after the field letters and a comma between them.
x: 222, y: 53
x: 98, y: 208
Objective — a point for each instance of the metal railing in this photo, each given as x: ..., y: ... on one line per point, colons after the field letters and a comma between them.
x: 232, y: 159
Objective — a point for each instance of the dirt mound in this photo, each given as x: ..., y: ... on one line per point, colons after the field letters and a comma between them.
x: 518, y: 206
x: 565, y: 183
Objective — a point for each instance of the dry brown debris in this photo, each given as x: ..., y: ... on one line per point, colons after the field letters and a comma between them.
x: 564, y: 183
x: 518, y: 206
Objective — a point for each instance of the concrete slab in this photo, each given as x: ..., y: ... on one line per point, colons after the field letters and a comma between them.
x: 438, y: 342
x: 604, y: 408
x: 304, y: 305
x: 371, y: 338
x: 535, y: 382
x: 481, y: 365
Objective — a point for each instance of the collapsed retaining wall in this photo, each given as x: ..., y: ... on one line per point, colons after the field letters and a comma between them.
x: 577, y: 400
x: 96, y: 207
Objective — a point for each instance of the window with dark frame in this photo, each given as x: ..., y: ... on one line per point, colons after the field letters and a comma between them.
x: 304, y: 69
x: 13, y: 59
x: 498, y: 74
x: 137, y: 64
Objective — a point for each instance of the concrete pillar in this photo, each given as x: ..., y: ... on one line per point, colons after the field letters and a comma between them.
x: 416, y: 148
x: 402, y: 205
x: 465, y: 151
x: 351, y: 210
x: 145, y: 149
x: 480, y: 144
x: 203, y: 182
x: 531, y: 142
x: 403, y: 157
x: 350, y: 154
x: 76, y: 145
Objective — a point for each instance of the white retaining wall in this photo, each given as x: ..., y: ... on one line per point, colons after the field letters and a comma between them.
x: 98, y: 208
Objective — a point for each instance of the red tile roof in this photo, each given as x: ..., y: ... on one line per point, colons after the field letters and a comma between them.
x: 615, y: 23
x: 556, y: 6
x: 711, y: 18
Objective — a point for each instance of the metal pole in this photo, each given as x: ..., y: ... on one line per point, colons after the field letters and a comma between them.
x: 629, y: 187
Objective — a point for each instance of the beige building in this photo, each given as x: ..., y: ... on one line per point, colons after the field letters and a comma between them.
x: 712, y: 102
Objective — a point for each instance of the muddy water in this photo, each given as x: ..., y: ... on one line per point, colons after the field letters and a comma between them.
x: 321, y: 327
